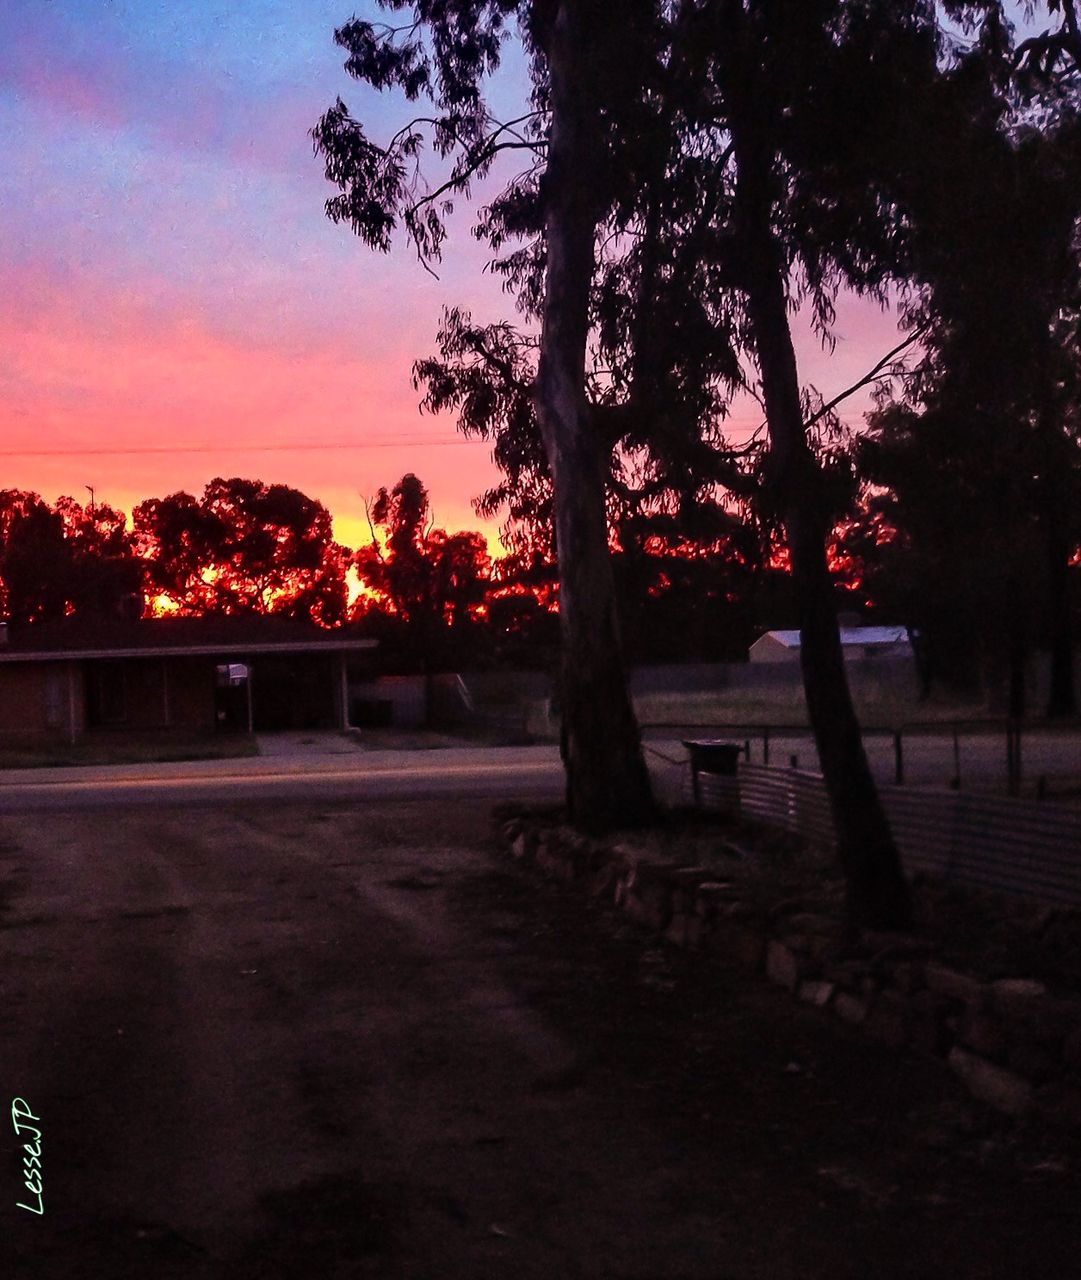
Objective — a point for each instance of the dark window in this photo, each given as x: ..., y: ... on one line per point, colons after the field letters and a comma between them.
x: 108, y: 690
x: 55, y: 691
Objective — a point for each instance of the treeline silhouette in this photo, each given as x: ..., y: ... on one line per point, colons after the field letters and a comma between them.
x: 697, y: 588
x: 430, y: 597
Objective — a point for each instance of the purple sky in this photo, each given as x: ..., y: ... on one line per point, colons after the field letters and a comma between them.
x: 168, y: 280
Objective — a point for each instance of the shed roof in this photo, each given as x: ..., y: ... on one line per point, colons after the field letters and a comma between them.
x: 849, y: 636
x: 233, y: 636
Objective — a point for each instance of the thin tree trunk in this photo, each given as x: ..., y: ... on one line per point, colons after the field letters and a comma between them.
x: 1062, y: 696
x: 607, y: 781
x: 878, y: 895
x: 917, y: 639
x: 1018, y: 661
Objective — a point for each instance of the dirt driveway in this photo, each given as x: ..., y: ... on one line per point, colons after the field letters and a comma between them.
x: 290, y: 1041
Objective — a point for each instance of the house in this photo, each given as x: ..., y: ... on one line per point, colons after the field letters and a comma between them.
x: 235, y: 674
x: 856, y: 642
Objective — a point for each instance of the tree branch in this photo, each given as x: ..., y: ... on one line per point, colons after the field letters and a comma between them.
x: 872, y: 376
x: 509, y: 126
x: 371, y: 527
x: 458, y: 179
x: 1074, y: 29
x: 500, y: 364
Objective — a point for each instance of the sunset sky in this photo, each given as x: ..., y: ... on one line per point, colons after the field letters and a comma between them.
x: 170, y: 287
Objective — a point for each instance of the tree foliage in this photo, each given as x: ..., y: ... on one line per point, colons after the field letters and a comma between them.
x: 243, y: 547
x: 697, y: 172
x: 979, y: 460
x: 64, y: 560
x: 431, y: 580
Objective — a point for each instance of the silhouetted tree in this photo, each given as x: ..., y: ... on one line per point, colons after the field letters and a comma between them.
x: 66, y: 560
x: 945, y: 541
x: 995, y: 400
x: 587, y: 74
x: 698, y: 169
x: 244, y: 547
x: 834, y: 129
x: 179, y: 541
x: 432, y: 584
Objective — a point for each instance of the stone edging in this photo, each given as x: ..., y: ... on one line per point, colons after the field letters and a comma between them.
x: 1011, y: 1042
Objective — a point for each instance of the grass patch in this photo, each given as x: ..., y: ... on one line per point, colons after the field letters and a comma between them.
x: 129, y: 748
x: 788, y: 708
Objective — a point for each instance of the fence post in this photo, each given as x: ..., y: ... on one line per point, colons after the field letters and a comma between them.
x: 898, y: 759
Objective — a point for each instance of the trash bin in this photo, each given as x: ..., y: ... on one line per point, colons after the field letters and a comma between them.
x: 714, y: 774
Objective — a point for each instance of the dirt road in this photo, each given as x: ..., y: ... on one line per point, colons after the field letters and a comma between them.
x: 293, y: 1040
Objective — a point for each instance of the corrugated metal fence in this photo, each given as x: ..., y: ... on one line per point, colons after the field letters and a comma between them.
x: 1029, y: 847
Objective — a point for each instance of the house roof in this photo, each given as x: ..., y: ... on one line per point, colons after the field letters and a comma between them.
x: 849, y: 636
x: 235, y: 636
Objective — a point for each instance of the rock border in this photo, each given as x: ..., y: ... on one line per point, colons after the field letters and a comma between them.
x: 1013, y: 1044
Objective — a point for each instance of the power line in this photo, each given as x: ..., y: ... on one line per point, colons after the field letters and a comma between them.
x: 307, y: 446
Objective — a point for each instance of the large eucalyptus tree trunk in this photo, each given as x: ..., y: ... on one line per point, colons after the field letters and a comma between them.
x: 878, y: 895
x: 607, y: 781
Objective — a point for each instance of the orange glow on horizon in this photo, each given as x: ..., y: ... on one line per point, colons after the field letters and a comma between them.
x: 95, y: 373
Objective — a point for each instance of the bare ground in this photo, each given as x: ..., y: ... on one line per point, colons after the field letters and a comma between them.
x: 288, y: 1041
